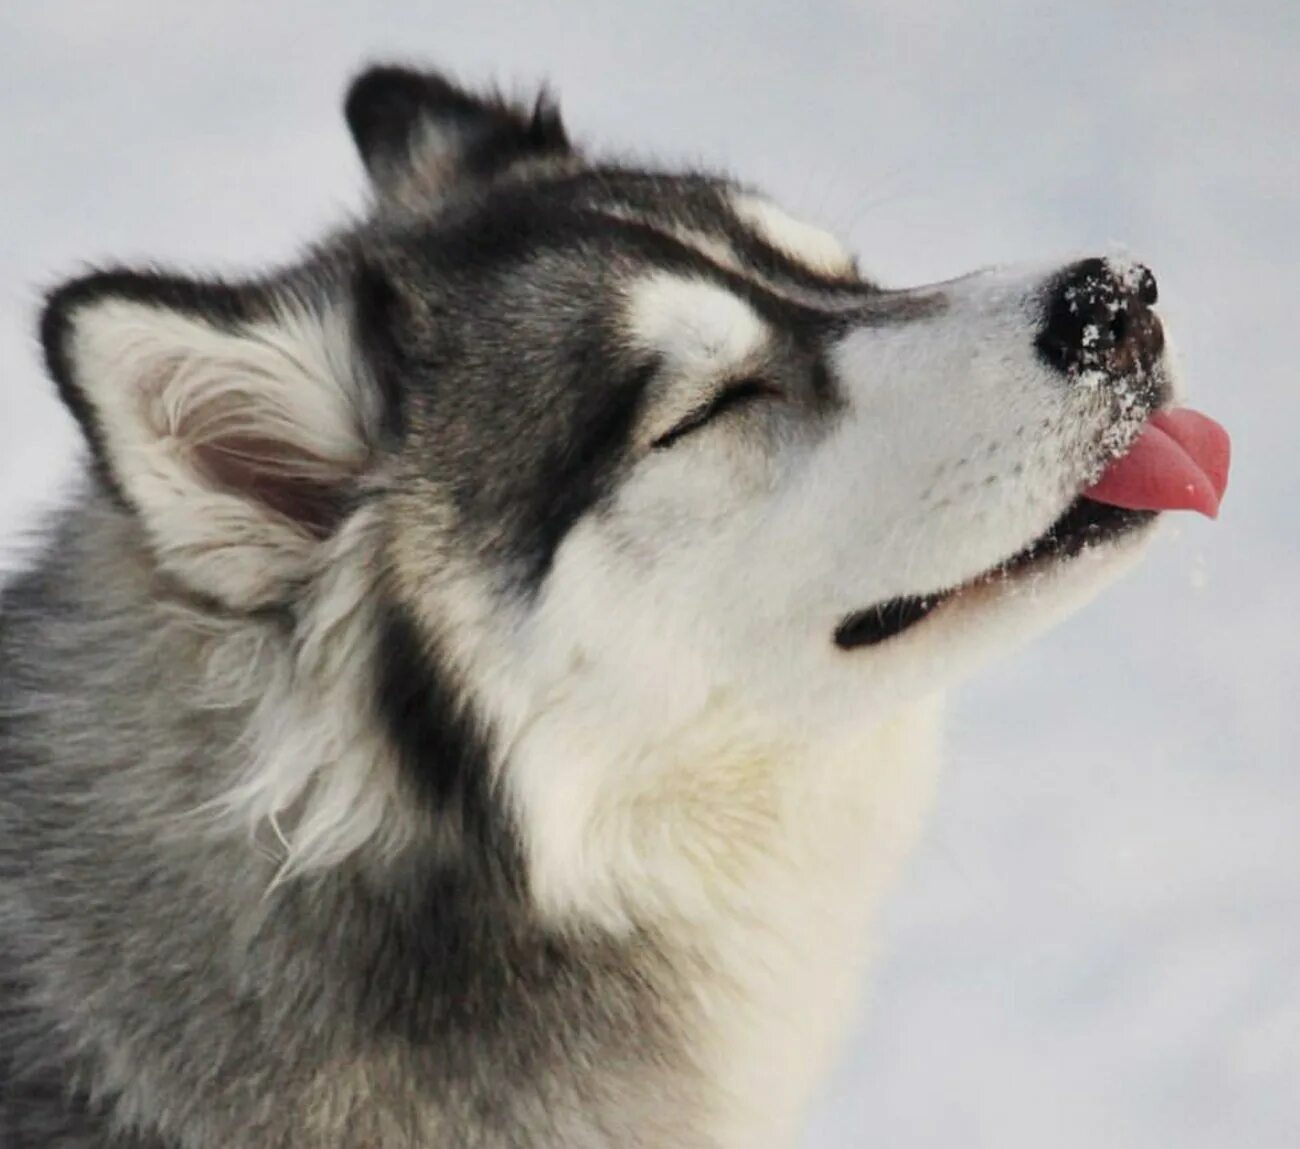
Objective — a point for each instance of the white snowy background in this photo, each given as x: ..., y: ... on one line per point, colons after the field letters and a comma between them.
x: 1099, y: 942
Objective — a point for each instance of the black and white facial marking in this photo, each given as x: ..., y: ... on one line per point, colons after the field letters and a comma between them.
x: 645, y: 463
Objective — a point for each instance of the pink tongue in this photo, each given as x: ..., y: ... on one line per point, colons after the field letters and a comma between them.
x: 1179, y: 462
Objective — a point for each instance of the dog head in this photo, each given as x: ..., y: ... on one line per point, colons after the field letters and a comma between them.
x: 628, y: 467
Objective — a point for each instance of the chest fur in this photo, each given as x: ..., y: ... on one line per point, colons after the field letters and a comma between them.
x: 785, y: 958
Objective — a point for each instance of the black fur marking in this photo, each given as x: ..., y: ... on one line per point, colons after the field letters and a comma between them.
x: 824, y: 387
x: 386, y: 105
x: 546, y: 129
x: 576, y: 474
x: 444, y: 749
x: 376, y: 310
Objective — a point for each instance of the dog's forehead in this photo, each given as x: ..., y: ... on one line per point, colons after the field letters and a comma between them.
x: 621, y: 267
x: 602, y: 220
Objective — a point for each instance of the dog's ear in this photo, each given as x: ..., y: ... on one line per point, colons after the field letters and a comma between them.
x: 235, y: 421
x: 419, y: 134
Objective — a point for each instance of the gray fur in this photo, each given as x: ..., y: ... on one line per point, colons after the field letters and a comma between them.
x: 167, y: 980
x: 158, y: 985
x: 151, y: 978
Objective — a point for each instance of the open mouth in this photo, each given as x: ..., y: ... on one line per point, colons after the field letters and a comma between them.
x: 1085, y: 523
x: 1179, y: 461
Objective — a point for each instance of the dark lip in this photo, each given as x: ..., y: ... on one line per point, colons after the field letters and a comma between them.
x: 1083, y: 524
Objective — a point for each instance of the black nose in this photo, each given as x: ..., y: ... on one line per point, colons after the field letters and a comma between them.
x: 1099, y: 317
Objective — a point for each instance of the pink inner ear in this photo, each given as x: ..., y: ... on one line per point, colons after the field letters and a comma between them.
x: 280, y: 476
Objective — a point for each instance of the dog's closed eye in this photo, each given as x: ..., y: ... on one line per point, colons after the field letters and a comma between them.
x: 736, y: 394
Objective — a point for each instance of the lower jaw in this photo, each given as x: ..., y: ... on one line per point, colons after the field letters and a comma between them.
x: 1085, y: 524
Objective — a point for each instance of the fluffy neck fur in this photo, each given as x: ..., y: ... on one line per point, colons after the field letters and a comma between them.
x: 385, y: 997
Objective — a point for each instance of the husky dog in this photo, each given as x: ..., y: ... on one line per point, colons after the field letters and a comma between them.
x: 489, y: 672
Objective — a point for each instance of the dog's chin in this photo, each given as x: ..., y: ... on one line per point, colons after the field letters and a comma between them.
x: 1086, y: 527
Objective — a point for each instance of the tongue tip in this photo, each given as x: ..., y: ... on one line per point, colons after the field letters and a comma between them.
x: 1178, y: 463
x: 1202, y: 496
x: 1205, y: 440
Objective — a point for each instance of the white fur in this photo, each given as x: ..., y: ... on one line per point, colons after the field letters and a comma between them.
x: 166, y: 386
x: 812, y: 246
x: 321, y: 774
x: 704, y: 335
x: 696, y: 325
